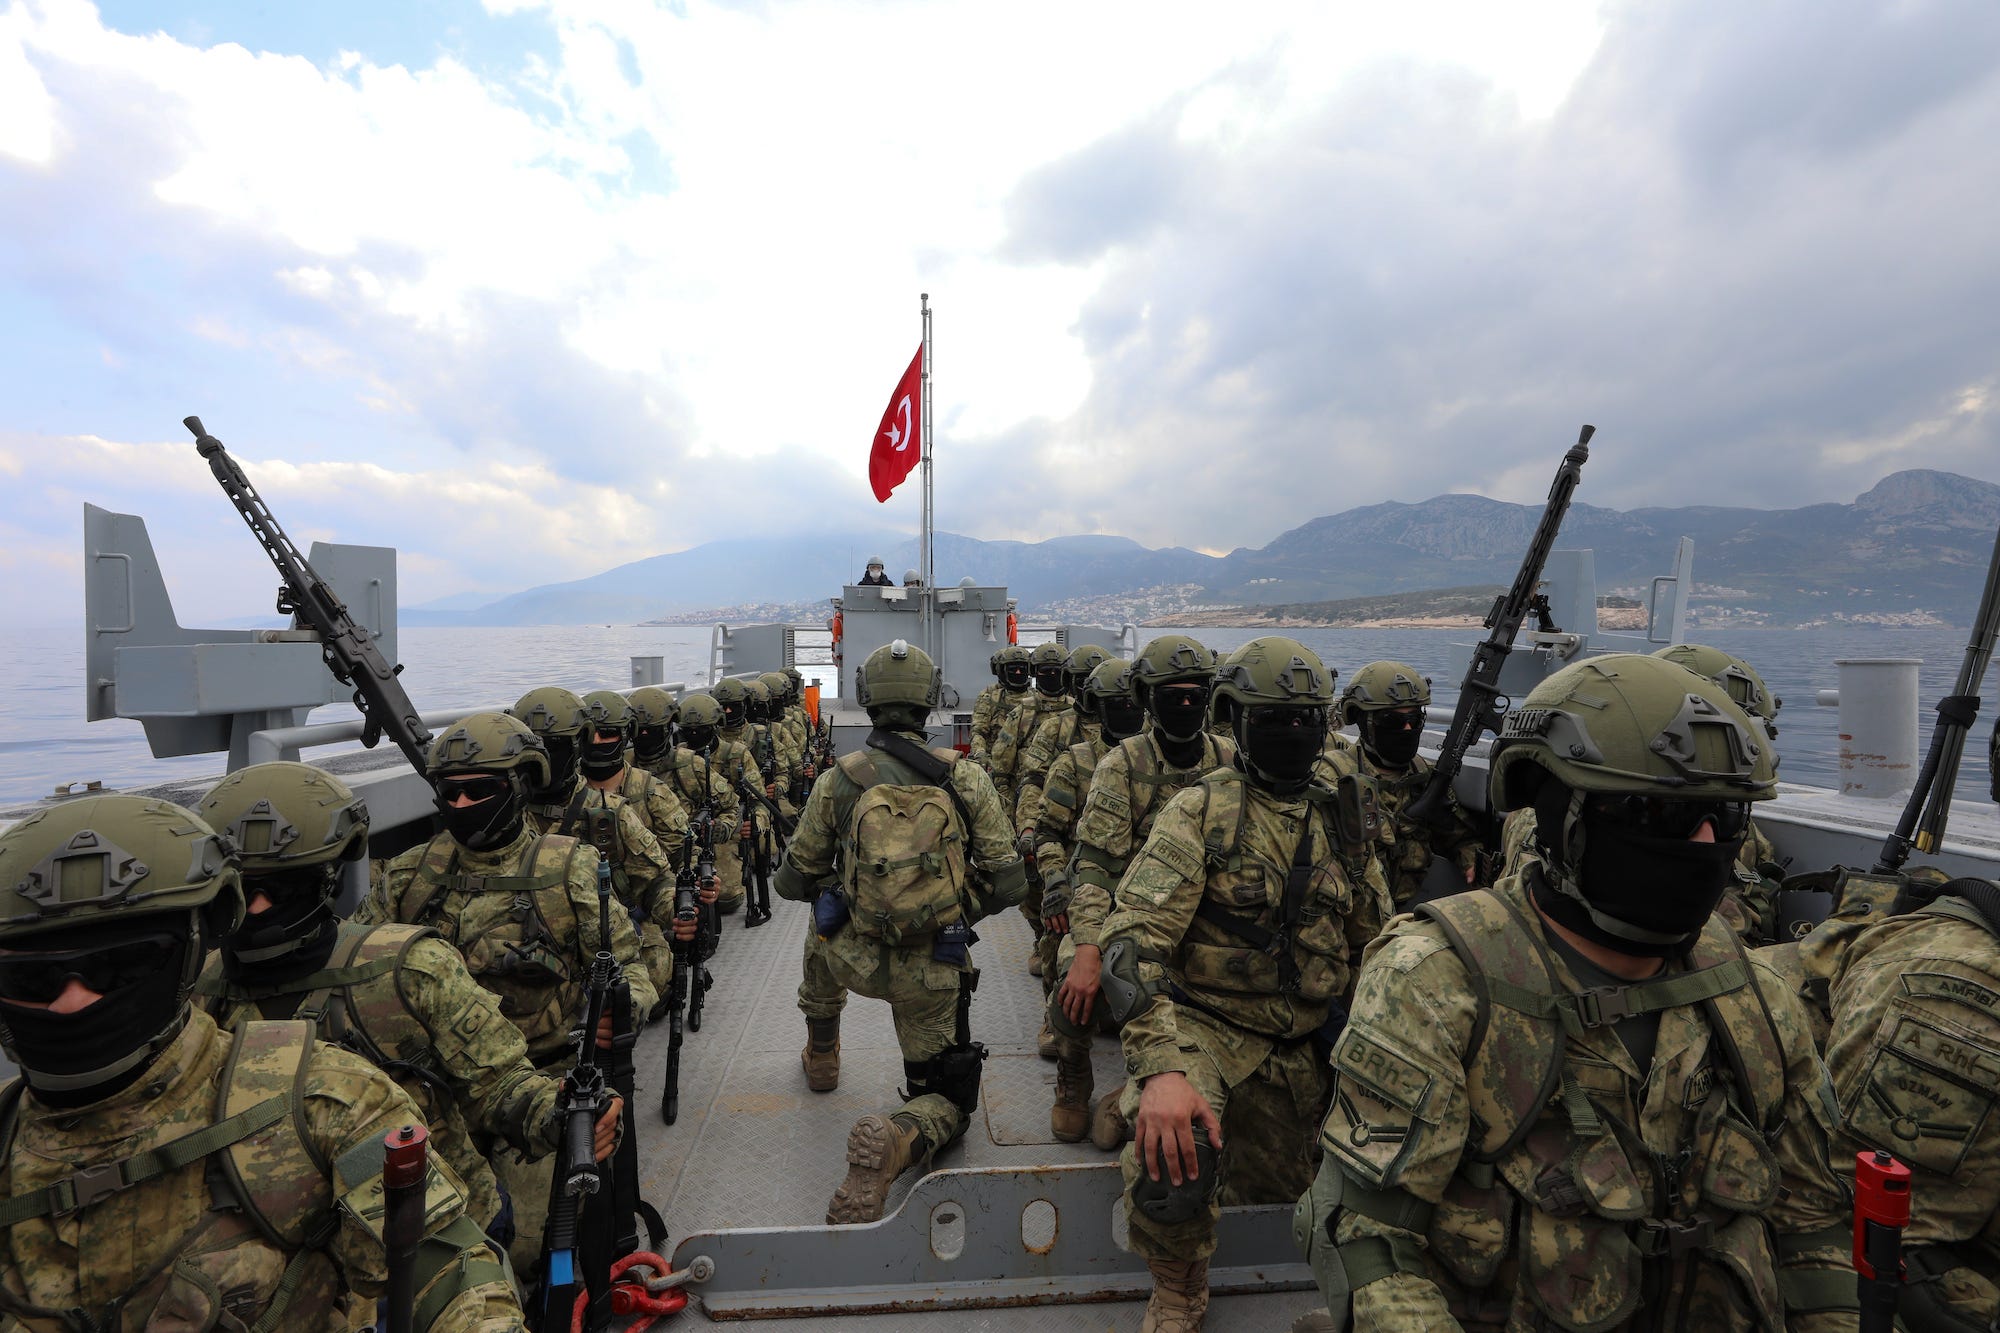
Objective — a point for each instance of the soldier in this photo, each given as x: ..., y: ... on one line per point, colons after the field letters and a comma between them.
x: 521, y: 908
x: 654, y: 713
x: 1171, y: 678
x: 1573, y: 1096
x: 569, y: 807
x: 1915, y: 1056
x: 609, y: 781
x: 910, y: 848
x: 1012, y: 677
x: 397, y: 995
x: 1017, y: 726
x: 1229, y: 949
x: 1107, y: 697
x: 703, y: 719
x: 770, y: 744
x: 160, y: 1172
x: 1385, y: 702
x: 1056, y: 732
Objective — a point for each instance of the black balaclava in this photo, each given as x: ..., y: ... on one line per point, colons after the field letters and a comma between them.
x: 1642, y: 894
x: 1390, y: 735
x: 486, y: 824
x: 1279, y: 745
x: 602, y: 759
x: 562, y: 769
x: 650, y: 744
x: 1121, y: 716
x: 298, y: 923
x: 699, y: 739
x: 1179, y: 710
x: 1052, y: 680
x: 73, y: 1060
x: 1015, y: 676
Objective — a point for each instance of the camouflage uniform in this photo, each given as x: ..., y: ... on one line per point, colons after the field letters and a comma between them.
x: 1916, y: 1062
x: 732, y: 758
x: 1051, y: 810
x: 698, y: 778
x: 1473, y: 1193
x: 1235, y: 1019
x: 1407, y: 847
x: 165, y: 1252
x: 526, y: 918
x: 922, y: 992
x: 1007, y: 758
x: 1054, y: 735
x: 986, y: 709
x: 639, y: 863
x: 652, y: 908
x: 415, y: 1012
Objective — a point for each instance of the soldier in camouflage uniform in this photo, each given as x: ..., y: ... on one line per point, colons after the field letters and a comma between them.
x: 1171, y: 678
x: 1050, y: 697
x: 1228, y: 950
x: 654, y: 713
x: 397, y: 995
x: 1385, y: 702
x: 706, y: 758
x: 770, y: 748
x: 912, y: 848
x: 1055, y: 734
x: 608, y: 781
x: 519, y: 906
x: 1107, y: 697
x: 694, y: 780
x: 1013, y: 678
x: 159, y: 1172
x: 1572, y: 1100
x: 1915, y: 1055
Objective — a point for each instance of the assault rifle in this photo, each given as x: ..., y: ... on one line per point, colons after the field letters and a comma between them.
x: 691, y: 980
x: 1921, y: 827
x: 754, y: 854
x: 1481, y: 706
x: 349, y: 650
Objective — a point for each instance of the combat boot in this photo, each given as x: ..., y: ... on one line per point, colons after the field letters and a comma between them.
x: 1108, y: 1130
x: 1180, y: 1296
x: 1045, y: 1042
x: 1319, y: 1321
x: 821, y: 1057
x: 879, y: 1148
x: 1069, y: 1118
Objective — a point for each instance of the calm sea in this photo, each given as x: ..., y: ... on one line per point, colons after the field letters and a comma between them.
x: 44, y: 739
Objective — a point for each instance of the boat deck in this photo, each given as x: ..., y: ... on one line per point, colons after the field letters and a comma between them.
x: 753, y: 1148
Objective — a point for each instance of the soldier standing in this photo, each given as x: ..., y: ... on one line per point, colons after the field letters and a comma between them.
x: 609, y: 782
x: 398, y: 995
x: 1573, y: 1097
x: 911, y: 848
x: 163, y: 1173
x: 1229, y: 949
x: 706, y: 753
x: 1385, y: 703
x: 1012, y: 677
x: 520, y: 907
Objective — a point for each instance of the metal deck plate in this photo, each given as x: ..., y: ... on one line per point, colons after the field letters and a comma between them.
x: 755, y: 1151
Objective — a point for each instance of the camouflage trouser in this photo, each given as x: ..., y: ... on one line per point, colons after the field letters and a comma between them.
x: 1269, y: 1124
x: 820, y: 996
x: 729, y: 869
x: 923, y: 1001
x: 528, y: 1186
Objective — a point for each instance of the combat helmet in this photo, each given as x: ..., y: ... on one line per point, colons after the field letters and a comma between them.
x: 653, y: 714
x: 489, y: 743
x: 756, y: 700
x: 1082, y: 660
x: 898, y: 675
x: 1174, y: 660
x: 551, y: 711
x: 1275, y: 693
x: 1384, y: 685
x: 1106, y: 694
x: 463, y: 764
x: 1014, y: 667
x: 291, y: 825
x: 608, y: 710
x: 88, y: 889
x: 734, y: 697
x: 1732, y: 673
x: 780, y: 686
x: 609, y: 714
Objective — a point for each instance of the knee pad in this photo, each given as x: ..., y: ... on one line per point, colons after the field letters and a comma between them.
x: 953, y: 1073
x: 1169, y: 1204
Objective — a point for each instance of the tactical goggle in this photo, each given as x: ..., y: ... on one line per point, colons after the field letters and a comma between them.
x: 1181, y: 696
x: 474, y: 787
x: 1277, y: 717
x: 39, y: 978
x: 1664, y: 817
x: 293, y: 882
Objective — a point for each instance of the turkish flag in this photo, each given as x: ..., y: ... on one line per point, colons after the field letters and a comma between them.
x: 898, y: 442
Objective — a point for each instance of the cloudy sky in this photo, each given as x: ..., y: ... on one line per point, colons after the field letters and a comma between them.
x: 528, y: 289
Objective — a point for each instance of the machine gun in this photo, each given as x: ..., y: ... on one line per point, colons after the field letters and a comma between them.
x: 1481, y: 706
x: 691, y: 979
x: 1921, y: 826
x: 349, y: 650
x: 754, y: 853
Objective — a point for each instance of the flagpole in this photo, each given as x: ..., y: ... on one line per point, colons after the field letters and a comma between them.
x: 926, y: 574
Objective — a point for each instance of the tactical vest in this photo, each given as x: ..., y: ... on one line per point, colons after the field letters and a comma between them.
x: 357, y: 1001
x: 519, y: 933
x: 902, y: 851
x: 1083, y: 757
x: 1152, y: 785
x: 268, y: 1188
x: 1267, y: 951
x: 1584, y: 1207
x: 596, y: 825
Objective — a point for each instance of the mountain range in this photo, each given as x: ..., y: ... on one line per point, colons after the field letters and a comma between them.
x: 1914, y: 546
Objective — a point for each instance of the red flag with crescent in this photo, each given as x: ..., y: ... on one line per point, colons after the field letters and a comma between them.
x: 898, y: 441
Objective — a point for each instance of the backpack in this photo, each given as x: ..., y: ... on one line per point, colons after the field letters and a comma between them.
x: 903, y: 865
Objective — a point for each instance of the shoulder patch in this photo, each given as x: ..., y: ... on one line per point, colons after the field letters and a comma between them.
x: 1398, y: 1079
x: 1185, y: 861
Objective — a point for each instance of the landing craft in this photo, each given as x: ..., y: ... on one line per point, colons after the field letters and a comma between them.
x: 1011, y: 1218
